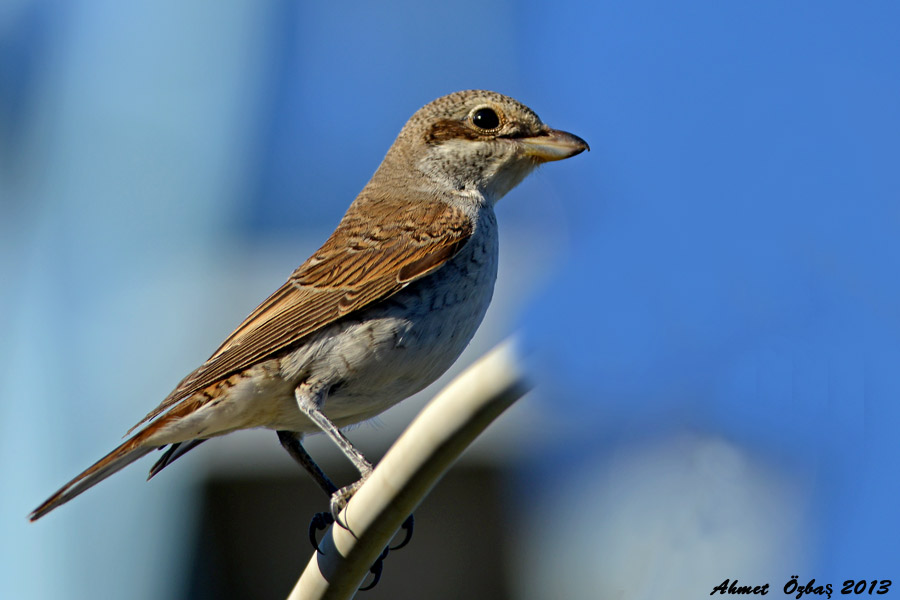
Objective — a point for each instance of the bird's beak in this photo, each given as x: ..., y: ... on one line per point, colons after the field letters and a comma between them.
x: 552, y: 144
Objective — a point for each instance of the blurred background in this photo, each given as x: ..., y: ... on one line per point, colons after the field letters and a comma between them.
x: 709, y: 298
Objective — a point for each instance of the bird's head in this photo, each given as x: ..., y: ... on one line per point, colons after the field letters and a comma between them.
x: 475, y: 142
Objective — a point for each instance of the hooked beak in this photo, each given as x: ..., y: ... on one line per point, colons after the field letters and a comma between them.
x: 552, y: 144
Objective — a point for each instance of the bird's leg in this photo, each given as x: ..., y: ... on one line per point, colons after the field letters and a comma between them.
x: 291, y: 442
x: 309, y: 406
x: 309, y: 402
x: 320, y: 521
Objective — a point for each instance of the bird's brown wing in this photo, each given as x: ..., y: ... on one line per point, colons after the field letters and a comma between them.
x: 375, y: 251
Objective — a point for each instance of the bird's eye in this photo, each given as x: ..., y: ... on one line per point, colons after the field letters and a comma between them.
x: 485, y: 118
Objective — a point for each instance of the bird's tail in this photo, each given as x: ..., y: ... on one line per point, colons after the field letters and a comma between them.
x: 131, y: 450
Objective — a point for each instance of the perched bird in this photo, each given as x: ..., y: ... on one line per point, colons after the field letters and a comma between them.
x: 379, y: 312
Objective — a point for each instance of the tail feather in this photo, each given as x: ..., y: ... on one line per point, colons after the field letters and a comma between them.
x: 175, y: 451
x: 121, y: 457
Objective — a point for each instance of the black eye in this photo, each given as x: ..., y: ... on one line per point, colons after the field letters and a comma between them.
x: 485, y: 118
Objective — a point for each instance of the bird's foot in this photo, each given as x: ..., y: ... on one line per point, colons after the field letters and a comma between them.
x: 321, y: 521
x: 341, y: 498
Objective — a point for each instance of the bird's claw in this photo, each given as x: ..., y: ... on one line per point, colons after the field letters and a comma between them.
x: 323, y: 520
x: 320, y: 522
x: 408, y: 526
x: 376, y: 569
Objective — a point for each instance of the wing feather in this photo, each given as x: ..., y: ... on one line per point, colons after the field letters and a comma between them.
x: 379, y: 247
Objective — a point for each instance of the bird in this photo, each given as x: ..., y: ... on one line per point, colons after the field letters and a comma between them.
x: 379, y: 312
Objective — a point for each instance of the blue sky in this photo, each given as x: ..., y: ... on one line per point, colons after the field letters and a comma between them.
x: 735, y: 245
